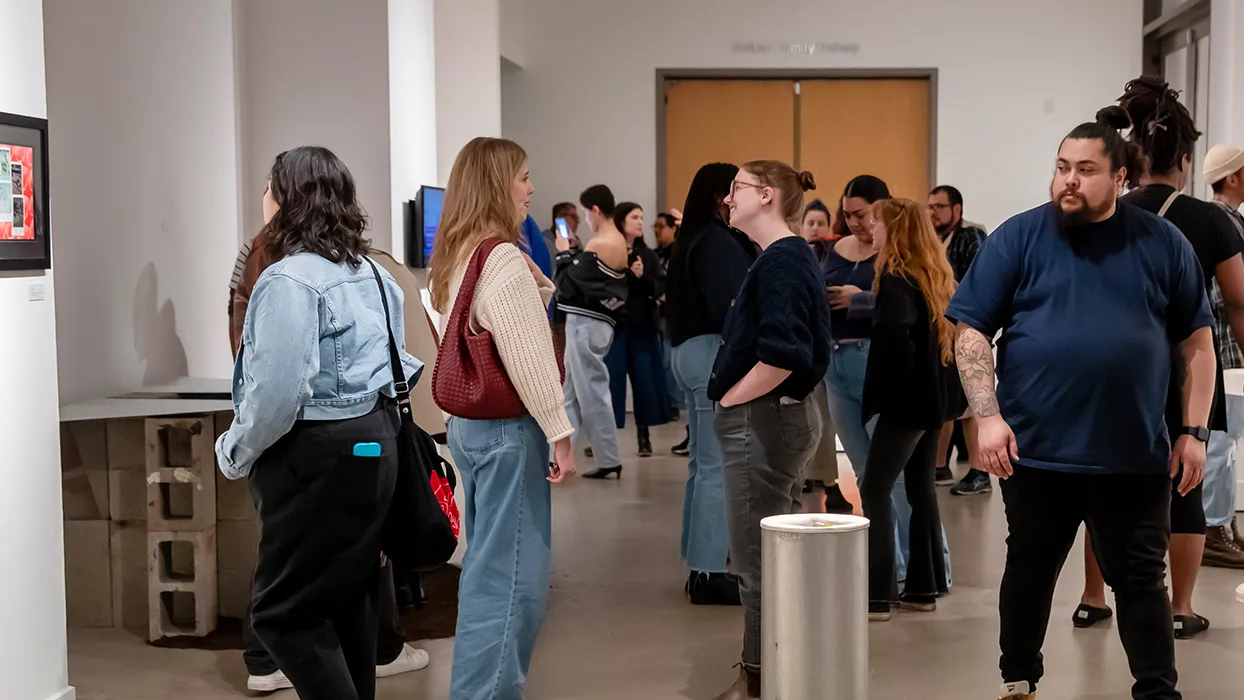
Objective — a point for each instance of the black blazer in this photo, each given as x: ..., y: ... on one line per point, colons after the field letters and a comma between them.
x: 905, y: 378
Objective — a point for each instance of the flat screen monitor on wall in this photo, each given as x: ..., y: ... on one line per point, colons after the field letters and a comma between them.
x: 425, y: 218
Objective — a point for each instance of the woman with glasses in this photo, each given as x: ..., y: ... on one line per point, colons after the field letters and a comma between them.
x: 774, y: 351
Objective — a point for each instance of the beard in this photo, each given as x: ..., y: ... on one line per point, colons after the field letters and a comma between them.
x: 943, y: 229
x: 1080, y: 214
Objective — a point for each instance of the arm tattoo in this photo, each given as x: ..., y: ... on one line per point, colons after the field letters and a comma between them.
x: 974, y: 357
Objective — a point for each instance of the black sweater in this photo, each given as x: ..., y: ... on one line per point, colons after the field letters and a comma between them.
x: 640, y: 312
x: 705, y: 272
x: 905, y: 378
x: 779, y: 318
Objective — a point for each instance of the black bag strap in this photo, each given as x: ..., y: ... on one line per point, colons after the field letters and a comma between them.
x: 400, y: 387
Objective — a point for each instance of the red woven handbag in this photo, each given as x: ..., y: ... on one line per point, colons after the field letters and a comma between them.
x: 469, y: 380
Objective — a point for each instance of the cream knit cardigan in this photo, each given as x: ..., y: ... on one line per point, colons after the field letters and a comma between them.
x: 512, y: 304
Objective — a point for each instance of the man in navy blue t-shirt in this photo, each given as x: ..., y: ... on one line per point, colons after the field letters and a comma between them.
x: 1095, y: 300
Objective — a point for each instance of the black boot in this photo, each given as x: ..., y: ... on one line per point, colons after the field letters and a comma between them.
x: 683, y: 448
x: 604, y: 473
x: 713, y: 589
x: 645, y: 442
x: 835, y: 502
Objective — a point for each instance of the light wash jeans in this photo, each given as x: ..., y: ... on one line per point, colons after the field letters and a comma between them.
x: 705, y: 532
x: 504, y: 588
x: 847, y: 364
x: 1219, y: 492
x: 588, y: 401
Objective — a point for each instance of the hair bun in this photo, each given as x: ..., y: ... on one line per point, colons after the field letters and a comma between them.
x: 1115, y: 117
x: 806, y: 181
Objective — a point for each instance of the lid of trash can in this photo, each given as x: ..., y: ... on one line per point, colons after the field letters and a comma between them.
x: 805, y: 523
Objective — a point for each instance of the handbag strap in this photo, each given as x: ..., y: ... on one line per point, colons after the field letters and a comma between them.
x: 460, y: 315
x: 400, y: 387
x: 1169, y: 201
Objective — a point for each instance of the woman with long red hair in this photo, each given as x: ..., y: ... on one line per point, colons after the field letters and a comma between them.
x: 912, y: 385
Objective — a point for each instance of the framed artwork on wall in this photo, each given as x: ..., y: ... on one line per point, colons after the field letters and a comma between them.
x: 25, y: 240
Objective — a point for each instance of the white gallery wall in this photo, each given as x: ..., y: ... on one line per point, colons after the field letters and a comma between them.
x: 142, y: 101
x: 1013, y: 78
x: 33, y: 664
x: 468, y: 76
x: 316, y: 72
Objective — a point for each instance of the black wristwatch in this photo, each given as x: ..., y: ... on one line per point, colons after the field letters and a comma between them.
x: 1201, y: 434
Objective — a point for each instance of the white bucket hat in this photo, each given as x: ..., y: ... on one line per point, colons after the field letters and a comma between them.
x: 1222, y: 161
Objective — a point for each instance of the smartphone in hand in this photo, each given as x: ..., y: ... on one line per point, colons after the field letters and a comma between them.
x: 562, y: 229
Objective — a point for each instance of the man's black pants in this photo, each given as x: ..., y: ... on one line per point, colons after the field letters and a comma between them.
x: 1128, y: 520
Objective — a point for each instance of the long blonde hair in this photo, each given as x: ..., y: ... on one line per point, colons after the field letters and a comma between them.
x: 913, y: 250
x: 478, y: 205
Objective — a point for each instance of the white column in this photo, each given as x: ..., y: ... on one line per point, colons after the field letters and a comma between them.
x: 142, y: 100
x: 1226, y: 116
x: 33, y: 664
x: 468, y: 76
x: 412, y: 108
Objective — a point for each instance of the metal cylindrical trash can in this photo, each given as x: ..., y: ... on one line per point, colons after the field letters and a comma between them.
x: 814, y: 606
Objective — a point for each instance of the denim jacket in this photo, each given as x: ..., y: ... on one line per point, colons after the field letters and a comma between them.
x: 314, y: 347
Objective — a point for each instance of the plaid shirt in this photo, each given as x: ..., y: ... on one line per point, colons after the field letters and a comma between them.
x: 961, y: 248
x: 1227, y: 348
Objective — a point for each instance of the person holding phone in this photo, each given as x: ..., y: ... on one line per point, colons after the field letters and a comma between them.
x: 506, y: 473
x: 636, y: 350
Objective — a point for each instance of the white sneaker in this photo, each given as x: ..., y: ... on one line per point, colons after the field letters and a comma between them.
x: 411, y: 659
x: 1018, y: 691
x: 269, y: 683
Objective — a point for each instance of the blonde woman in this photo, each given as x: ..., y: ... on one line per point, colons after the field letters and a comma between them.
x: 504, y: 463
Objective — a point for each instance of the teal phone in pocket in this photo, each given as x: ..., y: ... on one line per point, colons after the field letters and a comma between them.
x: 367, y: 449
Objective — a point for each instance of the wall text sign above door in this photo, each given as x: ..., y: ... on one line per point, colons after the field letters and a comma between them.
x: 806, y: 48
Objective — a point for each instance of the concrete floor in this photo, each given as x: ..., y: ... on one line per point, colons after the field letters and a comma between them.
x: 619, y: 628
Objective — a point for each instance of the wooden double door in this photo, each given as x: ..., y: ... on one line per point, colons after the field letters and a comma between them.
x: 836, y: 129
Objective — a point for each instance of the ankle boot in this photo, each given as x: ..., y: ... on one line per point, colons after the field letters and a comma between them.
x: 747, y: 686
x: 1221, y: 549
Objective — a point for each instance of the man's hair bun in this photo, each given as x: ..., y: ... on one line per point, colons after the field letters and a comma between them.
x: 1115, y: 117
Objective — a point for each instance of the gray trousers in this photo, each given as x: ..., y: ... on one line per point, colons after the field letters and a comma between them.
x: 824, y: 463
x: 586, y: 390
x: 766, y: 444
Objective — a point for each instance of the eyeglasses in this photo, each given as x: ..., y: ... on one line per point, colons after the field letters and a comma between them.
x: 736, y: 185
x: 938, y: 207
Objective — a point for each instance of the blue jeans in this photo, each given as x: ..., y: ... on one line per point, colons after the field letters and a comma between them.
x: 504, y: 587
x: 1219, y: 492
x: 678, y: 401
x: 705, y: 532
x: 847, y: 364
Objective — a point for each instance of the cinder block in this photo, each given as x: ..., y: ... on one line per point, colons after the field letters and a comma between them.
x: 88, y: 582
x: 127, y: 495
x: 181, y: 605
x: 236, y: 550
x: 84, y: 470
x: 127, y: 444
x: 233, y: 499
x: 181, y: 474
x: 129, y: 576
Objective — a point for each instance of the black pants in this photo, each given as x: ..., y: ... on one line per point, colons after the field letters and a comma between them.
x: 958, y: 441
x: 1128, y: 520
x: 317, y: 576
x: 913, y: 453
x: 390, y: 637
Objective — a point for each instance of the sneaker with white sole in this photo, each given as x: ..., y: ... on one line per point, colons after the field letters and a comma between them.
x: 411, y: 659
x: 1018, y: 691
x: 269, y: 683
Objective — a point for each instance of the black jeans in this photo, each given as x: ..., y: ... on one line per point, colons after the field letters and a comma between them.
x: 1128, y: 520
x: 899, y: 450
x: 390, y: 637
x: 317, y: 576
